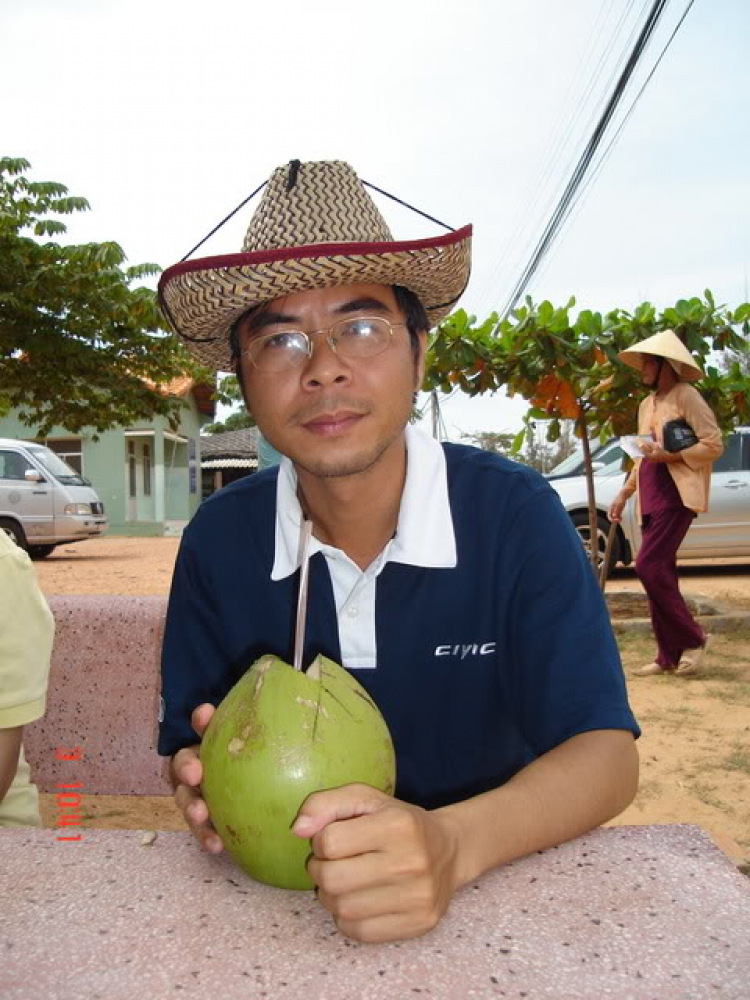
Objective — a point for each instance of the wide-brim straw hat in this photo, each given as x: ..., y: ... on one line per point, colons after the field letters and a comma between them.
x: 316, y: 226
x: 665, y: 344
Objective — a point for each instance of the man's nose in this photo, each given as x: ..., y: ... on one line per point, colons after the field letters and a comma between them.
x: 325, y: 366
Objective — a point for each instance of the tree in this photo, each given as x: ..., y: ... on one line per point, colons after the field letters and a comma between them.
x: 228, y: 392
x: 235, y: 422
x: 498, y: 441
x: 538, y: 452
x: 568, y: 370
x: 82, y: 343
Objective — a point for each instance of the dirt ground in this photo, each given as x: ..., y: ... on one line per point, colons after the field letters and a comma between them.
x: 695, y: 748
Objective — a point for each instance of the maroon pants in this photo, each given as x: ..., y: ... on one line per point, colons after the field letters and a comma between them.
x: 675, y: 628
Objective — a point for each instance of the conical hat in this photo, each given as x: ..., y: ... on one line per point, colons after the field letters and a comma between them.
x: 665, y: 344
x: 316, y: 226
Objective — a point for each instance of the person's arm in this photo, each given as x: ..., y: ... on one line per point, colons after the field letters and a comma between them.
x: 387, y: 870
x: 186, y: 774
x: 701, y: 418
x: 630, y: 485
x: 10, y: 748
x: 26, y: 634
x: 627, y: 489
x: 192, y: 664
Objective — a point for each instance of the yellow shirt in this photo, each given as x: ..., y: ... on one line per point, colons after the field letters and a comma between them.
x: 691, y: 475
x: 27, y: 629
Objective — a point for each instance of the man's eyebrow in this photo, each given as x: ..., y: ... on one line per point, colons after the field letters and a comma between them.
x: 265, y: 317
x: 365, y: 304
x: 259, y: 320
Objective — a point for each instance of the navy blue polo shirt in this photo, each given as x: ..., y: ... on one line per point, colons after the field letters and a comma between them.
x: 481, y: 668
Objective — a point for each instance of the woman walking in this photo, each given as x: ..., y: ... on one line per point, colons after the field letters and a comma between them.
x: 672, y: 488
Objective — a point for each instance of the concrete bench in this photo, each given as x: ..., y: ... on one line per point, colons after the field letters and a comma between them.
x: 103, y: 697
x: 634, y: 913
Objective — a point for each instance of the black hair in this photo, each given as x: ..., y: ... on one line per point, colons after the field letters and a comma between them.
x: 408, y: 303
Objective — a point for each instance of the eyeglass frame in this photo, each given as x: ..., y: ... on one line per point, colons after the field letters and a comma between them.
x: 330, y: 340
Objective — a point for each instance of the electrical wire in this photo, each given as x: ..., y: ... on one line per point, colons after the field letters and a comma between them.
x: 565, y: 137
x: 590, y: 180
x: 564, y: 204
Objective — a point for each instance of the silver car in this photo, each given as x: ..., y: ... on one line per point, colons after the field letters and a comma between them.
x: 724, y: 530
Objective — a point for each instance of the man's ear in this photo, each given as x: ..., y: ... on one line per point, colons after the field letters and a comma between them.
x: 420, y: 362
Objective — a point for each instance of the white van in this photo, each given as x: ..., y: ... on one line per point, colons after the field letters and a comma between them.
x: 43, y: 502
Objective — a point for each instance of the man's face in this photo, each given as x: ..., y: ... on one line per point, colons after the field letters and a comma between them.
x: 333, y: 415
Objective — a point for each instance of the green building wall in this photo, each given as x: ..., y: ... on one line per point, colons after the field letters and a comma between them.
x: 175, y: 470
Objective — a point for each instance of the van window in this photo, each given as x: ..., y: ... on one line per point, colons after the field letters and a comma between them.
x: 55, y: 466
x: 13, y: 465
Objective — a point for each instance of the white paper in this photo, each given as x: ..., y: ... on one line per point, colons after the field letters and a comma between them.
x: 630, y: 442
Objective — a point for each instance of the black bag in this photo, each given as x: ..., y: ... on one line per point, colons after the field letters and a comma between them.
x: 678, y: 434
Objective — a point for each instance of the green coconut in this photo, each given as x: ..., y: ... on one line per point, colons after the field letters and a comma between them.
x: 279, y: 735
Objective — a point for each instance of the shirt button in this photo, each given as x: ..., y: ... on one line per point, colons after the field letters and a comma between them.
x: 352, y: 612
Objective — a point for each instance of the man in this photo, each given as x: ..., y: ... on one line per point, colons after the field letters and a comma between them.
x: 673, y: 488
x: 26, y: 633
x: 449, y: 581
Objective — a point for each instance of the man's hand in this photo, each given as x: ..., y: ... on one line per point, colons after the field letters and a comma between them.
x: 386, y: 870
x: 616, y: 508
x: 188, y: 774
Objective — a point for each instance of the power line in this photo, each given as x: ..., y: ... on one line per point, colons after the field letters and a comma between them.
x: 589, y: 182
x: 564, y: 205
x: 566, y: 134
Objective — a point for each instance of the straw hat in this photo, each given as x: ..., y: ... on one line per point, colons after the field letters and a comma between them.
x: 665, y: 344
x: 315, y: 227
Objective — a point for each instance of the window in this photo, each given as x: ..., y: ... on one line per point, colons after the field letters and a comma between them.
x: 13, y: 465
x: 133, y: 487
x: 731, y: 460
x: 147, y: 470
x: 70, y: 450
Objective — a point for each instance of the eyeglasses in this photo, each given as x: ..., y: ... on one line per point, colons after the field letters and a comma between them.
x: 361, y: 337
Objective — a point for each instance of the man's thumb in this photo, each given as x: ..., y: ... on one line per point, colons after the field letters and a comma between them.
x: 322, y: 808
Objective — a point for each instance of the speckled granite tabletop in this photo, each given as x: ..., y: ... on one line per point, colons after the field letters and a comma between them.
x: 643, y: 913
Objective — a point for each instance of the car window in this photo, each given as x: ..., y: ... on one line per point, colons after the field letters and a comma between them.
x: 13, y: 465
x: 732, y: 459
x: 611, y: 460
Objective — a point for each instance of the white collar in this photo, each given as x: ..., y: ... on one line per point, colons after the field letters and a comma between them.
x: 424, y: 534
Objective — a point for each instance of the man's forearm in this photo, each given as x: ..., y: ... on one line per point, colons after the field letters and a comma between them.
x: 570, y: 790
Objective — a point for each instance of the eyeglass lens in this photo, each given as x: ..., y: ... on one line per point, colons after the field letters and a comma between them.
x: 362, y: 337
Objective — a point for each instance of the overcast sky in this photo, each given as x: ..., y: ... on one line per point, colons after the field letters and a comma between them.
x: 166, y: 114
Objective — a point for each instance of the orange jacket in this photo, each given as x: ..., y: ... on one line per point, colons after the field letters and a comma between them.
x: 692, y: 474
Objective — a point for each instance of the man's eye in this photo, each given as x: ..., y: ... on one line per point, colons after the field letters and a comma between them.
x: 357, y: 329
x: 281, y: 342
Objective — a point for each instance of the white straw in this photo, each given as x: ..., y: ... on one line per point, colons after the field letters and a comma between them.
x: 299, y: 635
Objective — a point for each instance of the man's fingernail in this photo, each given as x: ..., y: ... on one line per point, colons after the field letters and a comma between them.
x: 301, y: 826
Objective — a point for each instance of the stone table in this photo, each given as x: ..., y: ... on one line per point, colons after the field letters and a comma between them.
x: 643, y: 913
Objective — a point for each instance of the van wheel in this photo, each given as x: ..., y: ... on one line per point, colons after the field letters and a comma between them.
x: 41, y: 551
x: 580, y: 520
x: 14, y: 531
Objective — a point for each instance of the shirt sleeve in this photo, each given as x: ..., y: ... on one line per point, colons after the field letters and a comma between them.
x: 701, y: 418
x: 26, y: 633
x: 569, y: 673
x: 631, y: 483
x: 194, y: 660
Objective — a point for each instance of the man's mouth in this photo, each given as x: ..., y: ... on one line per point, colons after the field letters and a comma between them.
x: 332, y: 424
